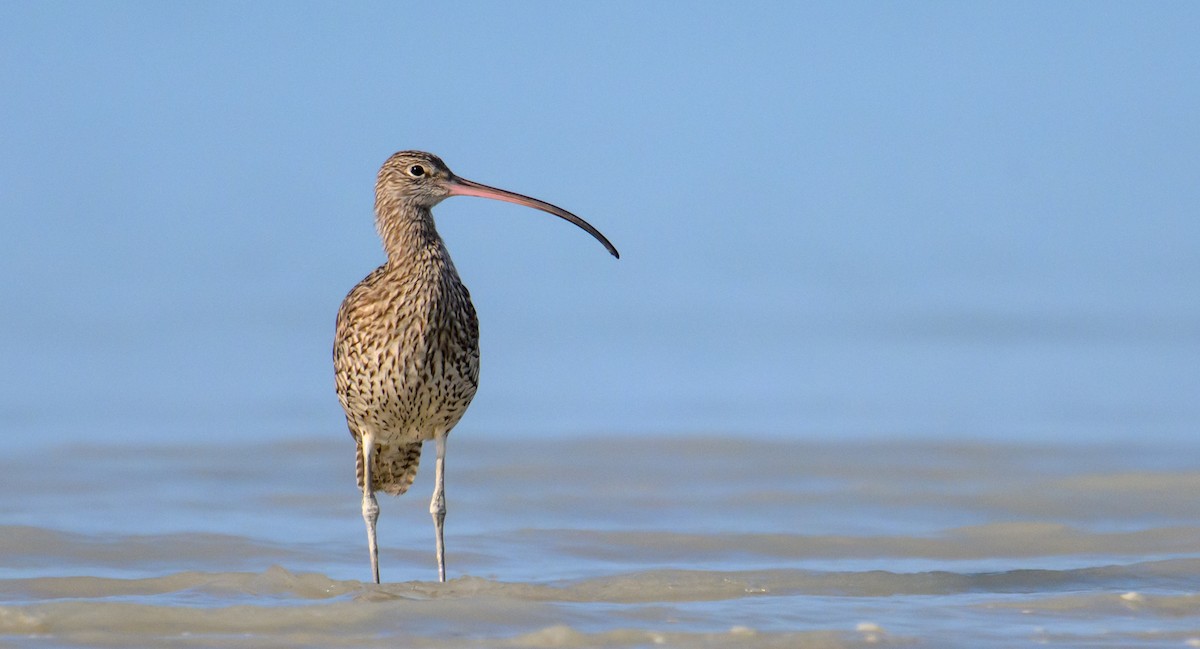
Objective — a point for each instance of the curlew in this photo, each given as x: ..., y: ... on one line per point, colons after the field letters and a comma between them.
x: 406, y: 349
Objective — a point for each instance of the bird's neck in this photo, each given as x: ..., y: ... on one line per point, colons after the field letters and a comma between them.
x: 408, y: 233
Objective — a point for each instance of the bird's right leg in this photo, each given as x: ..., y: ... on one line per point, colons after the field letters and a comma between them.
x: 437, y: 506
x: 370, y: 508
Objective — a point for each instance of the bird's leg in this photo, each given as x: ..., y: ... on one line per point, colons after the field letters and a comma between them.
x: 437, y: 506
x: 370, y: 508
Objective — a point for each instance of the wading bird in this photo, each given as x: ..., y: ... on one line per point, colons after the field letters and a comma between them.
x: 406, y: 349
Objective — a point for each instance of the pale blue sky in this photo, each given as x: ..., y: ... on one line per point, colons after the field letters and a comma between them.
x: 963, y: 219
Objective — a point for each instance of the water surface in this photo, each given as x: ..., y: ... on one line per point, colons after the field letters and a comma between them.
x: 607, y: 541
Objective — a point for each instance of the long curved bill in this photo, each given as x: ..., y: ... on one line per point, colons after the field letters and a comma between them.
x: 463, y: 187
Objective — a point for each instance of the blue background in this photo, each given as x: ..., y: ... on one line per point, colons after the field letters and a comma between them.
x: 968, y: 220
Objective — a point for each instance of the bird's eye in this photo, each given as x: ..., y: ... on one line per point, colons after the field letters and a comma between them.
x: 416, y: 171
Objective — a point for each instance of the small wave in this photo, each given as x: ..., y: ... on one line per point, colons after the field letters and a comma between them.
x: 284, y: 587
x: 277, y: 607
x: 1005, y: 540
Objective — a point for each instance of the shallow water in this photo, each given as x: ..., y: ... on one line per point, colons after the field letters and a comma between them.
x: 607, y: 541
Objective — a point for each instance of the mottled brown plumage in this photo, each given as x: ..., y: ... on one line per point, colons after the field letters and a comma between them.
x: 406, y: 349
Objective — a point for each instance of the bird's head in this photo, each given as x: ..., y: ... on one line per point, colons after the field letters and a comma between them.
x: 415, y: 179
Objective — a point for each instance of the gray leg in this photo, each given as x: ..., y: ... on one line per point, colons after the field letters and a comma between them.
x: 437, y: 506
x: 370, y: 508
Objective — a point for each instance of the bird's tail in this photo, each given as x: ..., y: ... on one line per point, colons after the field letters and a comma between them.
x: 393, y: 468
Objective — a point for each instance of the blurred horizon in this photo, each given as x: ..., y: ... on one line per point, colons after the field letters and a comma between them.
x: 835, y: 219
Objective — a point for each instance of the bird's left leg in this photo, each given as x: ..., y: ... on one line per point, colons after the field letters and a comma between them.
x: 370, y: 508
x: 437, y: 506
